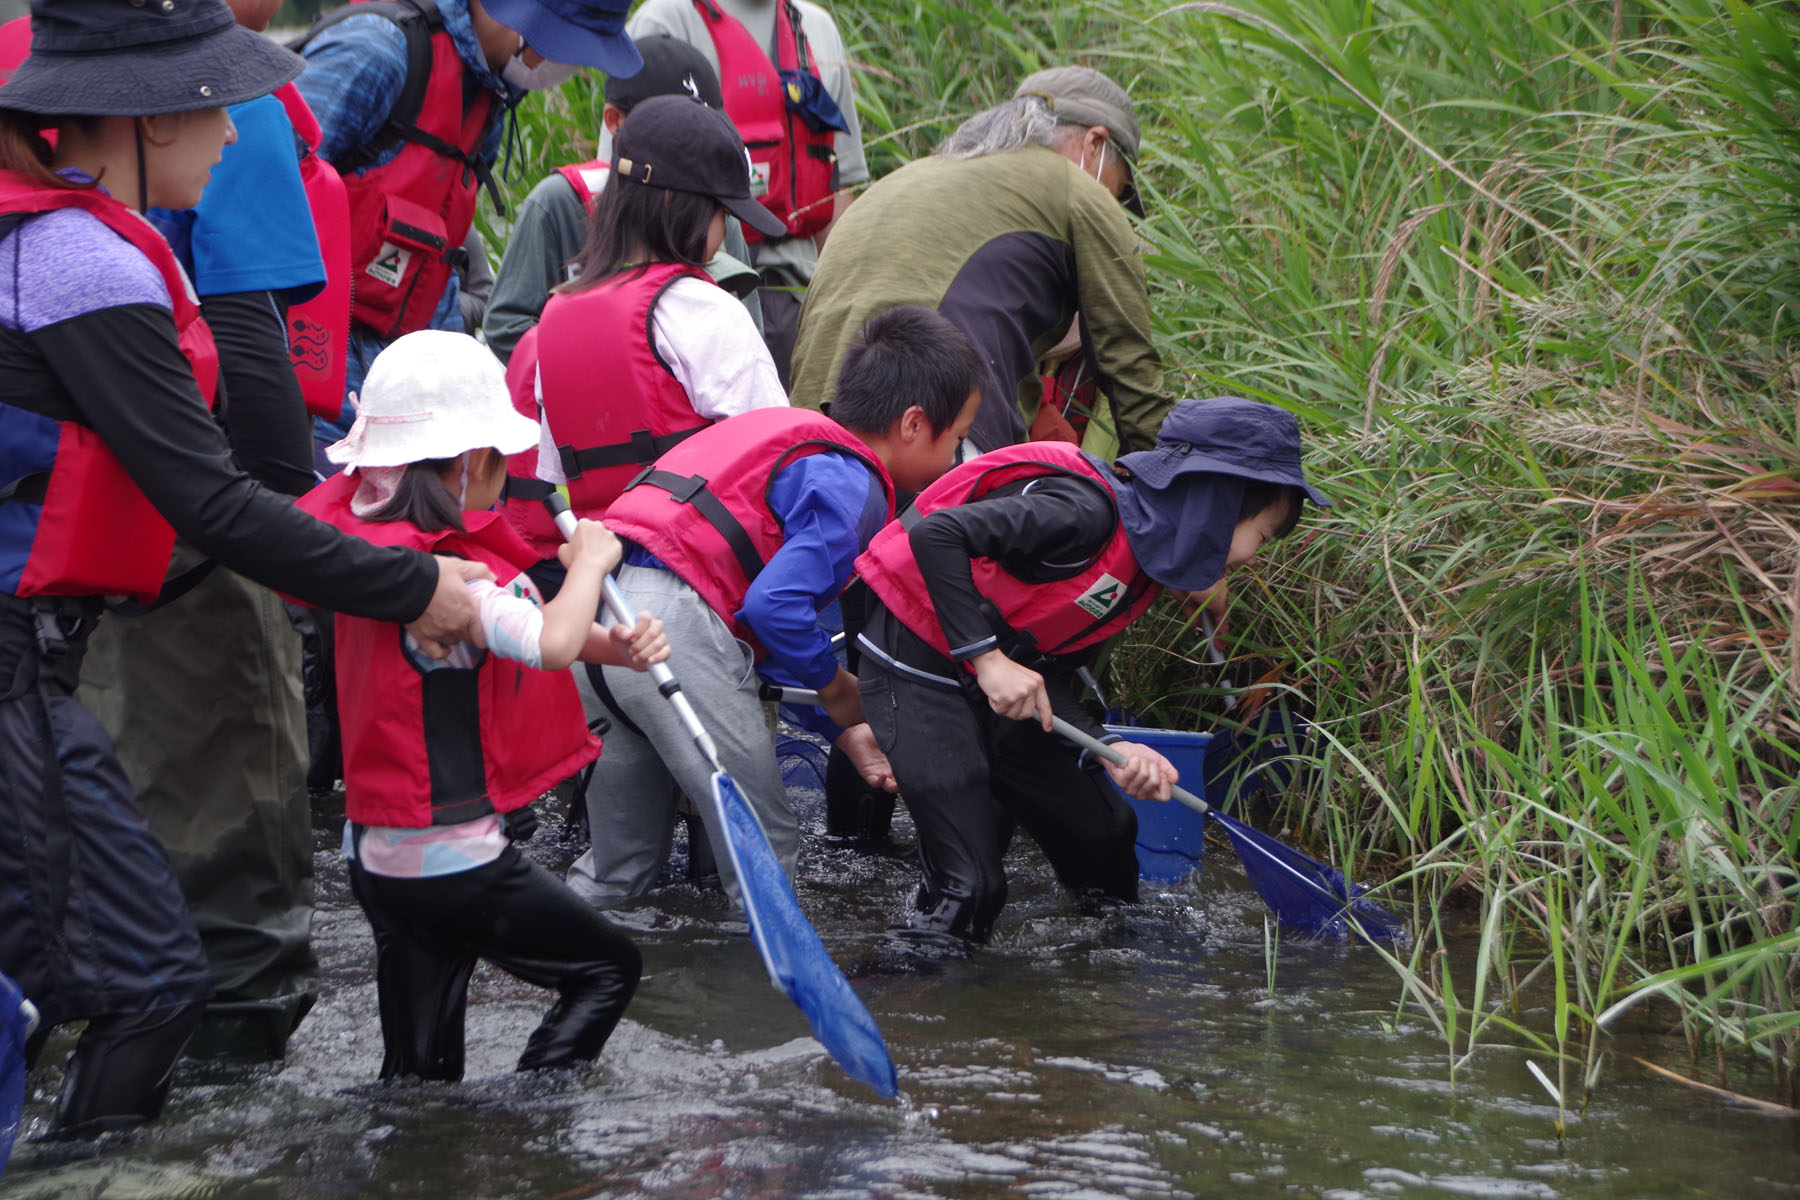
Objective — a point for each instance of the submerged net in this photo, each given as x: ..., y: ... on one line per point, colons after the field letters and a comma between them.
x: 796, y: 958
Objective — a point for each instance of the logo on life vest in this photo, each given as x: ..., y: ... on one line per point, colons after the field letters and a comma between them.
x: 759, y: 179
x: 1103, y: 597
x: 389, y: 265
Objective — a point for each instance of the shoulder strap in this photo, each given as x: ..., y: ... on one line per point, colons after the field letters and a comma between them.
x: 692, y: 489
x: 802, y: 51
x: 419, y: 20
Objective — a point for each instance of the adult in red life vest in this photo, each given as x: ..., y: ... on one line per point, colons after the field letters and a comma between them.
x: 1002, y: 581
x: 442, y: 758
x: 737, y: 538
x: 410, y: 97
x: 107, y: 450
x: 202, y: 695
x: 789, y: 90
x: 552, y: 220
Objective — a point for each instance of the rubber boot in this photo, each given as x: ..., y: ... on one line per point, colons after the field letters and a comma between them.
x: 702, y: 867
x: 422, y: 1021
x: 854, y: 809
x: 583, y: 1017
x: 119, y: 1075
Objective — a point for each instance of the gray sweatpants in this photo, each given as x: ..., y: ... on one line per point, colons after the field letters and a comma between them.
x: 638, y: 782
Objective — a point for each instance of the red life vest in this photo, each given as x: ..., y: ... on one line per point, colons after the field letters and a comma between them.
x: 94, y: 533
x: 522, y: 501
x: 1059, y: 617
x: 792, y: 166
x: 439, y: 747
x: 319, y: 329
x: 410, y: 215
x: 611, y: 421
x: 587, y: 178
x: 703, y: 509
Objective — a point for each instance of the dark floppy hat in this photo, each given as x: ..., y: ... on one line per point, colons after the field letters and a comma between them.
x: 590, y: 33
x: 672, y: 67
x: 1226, y: 435
x: 1180, y: 504
x: 138, y: 58
x: 676, y: 142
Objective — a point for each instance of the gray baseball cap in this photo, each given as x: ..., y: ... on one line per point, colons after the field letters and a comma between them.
x: 1083, y: 96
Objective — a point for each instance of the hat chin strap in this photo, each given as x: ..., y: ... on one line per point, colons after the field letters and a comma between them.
x: 137, y: 134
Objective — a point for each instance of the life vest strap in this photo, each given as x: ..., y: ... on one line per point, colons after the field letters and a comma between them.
x: 692, y: 489
x: 642, y: 447
x: 534, y: 491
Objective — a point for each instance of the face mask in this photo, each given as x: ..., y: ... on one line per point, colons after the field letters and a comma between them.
x: 1099, y: 164
x: 541, y: 78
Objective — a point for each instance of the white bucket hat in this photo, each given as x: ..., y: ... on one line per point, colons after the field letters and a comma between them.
x: 432, y: 394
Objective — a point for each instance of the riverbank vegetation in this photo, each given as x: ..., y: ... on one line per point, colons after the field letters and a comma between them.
x: 1528, y: 274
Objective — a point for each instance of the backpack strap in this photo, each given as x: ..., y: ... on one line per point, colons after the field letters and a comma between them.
x: 419, y: 21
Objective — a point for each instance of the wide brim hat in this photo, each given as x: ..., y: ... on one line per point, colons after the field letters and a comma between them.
x: 589, y: 33
x: 1225, y: 435
x: 678, y: 143
x: 111, y: 58
x: 432, y: 395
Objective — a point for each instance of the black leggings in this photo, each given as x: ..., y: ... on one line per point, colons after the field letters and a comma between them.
x: 968, y: 777
x: 516, y: 915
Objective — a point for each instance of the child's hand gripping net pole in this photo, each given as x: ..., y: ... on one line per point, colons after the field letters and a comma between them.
x: 619, y: 608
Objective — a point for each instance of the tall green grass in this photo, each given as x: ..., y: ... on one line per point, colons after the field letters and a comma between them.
x: 1528, y: 274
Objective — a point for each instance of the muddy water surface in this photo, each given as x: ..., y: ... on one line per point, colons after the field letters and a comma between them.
x: 1140, y: 1053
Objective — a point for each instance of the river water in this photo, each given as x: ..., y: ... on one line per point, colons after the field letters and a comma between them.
x: 1139, y: 1053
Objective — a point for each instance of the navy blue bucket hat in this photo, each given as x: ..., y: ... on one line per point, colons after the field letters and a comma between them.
x: 1226, y: 435
x: 1180, y: 500
x: 588, y: 33
x: 139, y: 58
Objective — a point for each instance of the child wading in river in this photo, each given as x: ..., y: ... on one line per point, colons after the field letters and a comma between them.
x: 442, y: 757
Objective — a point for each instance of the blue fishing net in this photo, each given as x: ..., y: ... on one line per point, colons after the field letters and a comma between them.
x: 15, y: 1022
x: 1304, y: 892
x: 801, y: 753
x: 796, y: 958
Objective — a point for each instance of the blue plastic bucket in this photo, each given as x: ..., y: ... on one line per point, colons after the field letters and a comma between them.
x: 1171, y: 836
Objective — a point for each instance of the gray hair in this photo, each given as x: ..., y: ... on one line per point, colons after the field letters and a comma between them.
x: 1009, y: 125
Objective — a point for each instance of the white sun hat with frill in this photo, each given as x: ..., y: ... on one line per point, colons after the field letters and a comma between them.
x: 432, y: 395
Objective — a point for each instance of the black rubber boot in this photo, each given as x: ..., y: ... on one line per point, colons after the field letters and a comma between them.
x: 583, y: 1017
x: 853, y: 809
x: 119, y: 1075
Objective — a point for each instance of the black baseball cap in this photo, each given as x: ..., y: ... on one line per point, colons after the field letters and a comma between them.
x: 672, y: 67
x: 677, y: 142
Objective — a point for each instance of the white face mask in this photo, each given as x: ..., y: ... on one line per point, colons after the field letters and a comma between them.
x: 541, y: 78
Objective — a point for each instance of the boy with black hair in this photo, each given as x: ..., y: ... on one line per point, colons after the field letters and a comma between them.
x: 1004, y: 578
x: 736, y: 539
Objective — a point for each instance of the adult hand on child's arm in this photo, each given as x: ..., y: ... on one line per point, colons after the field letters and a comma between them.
x: 452, y: 616
x: 840, y: 700
x: 1144, y: 775
x: 1012, y: 690
x: 858, y: 743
